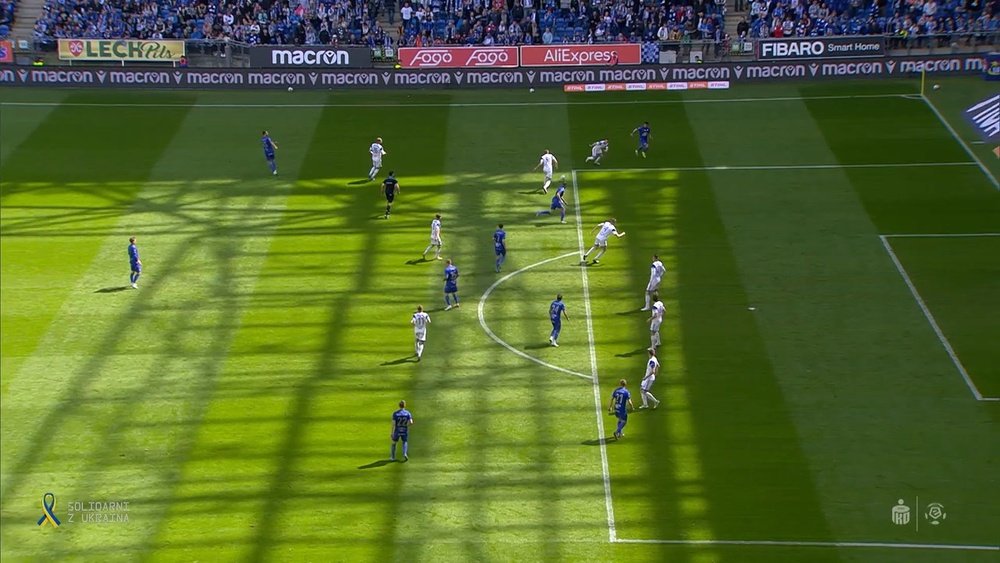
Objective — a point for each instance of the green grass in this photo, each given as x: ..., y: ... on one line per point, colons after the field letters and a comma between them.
x: 240, y: 399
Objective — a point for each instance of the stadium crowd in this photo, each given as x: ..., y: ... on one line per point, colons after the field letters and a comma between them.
x: 903, y: 19
x: 501, y: 22
x: 7, y: 8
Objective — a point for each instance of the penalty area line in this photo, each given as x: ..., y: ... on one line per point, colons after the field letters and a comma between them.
x: 489, y: 332
x: 598, y: 407
x: 930, y: 319
x: 834, y: 544
x: 753, y: 167
x: 447, y: 105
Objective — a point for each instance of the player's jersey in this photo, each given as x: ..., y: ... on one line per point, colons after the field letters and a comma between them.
x: 401, y: 420
x: 658, y: 311
x: 451, y: 275
x: 656, y: 270
x: 600, y: 146
x: 435, y: 229
x: 420, y: 320
x: 389, y: 185
x: 643, y: 134
x: 619, y: 400
x: 652, y: 366
x: 556, y: 309
x: 268, y: 146
x: 556, y: 201
x: 377, y: 151
x: 546, y: 161
x: 133, y: 254
x: 607, y: 229
x: 500, y: 240
x: 561, y: 190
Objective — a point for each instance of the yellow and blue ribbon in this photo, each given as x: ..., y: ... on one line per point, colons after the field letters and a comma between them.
x: 48, y: 508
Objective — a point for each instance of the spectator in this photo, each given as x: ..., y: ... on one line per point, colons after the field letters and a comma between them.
x: 547, y: 36
x: 742, y: 28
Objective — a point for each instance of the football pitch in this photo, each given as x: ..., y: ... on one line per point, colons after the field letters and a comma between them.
x: 830, y: 379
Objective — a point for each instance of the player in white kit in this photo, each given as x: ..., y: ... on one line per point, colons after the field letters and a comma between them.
x: 548, y: 162
x: 655, y: 320
x: 652, y: 369
x: 377, y: 151
x: 435, y: 239
x: 597, y: 150
x: 607, y: 229
x: 656, y: 271
x: 420, y: 321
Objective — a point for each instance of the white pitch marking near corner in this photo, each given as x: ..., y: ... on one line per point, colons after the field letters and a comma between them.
x: 961, y: 141
x: 930, y: 319
x: 598, y: 408
x: 500, y: 341
x: 941, y: 235
x: 468, y: 104
x: 786, y: 167
x: 836, y: 544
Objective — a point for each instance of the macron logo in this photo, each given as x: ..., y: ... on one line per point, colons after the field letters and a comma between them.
x: 302, y: 57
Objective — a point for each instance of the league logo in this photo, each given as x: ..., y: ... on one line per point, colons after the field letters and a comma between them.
x: 76, y: 48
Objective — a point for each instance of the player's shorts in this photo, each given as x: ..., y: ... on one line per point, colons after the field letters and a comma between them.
x: 647, y: 383
x: 420, y: 333
x: 556, y: 323
x: 556, y: 205
x: 377, y: 162
x: 500, y: 250
x: 451, y: 288
x: 622, y: 414
x: 397, y: 435
x: 548, y: 173
x: 600, y: 242
x: 654, y: 326
x: 390, y: 197
x: 436, y: 241
x: 643, y: 144
x: 596, y: 152
x: 269, y: 155
x: 136, y: 267
x: 653, y: 285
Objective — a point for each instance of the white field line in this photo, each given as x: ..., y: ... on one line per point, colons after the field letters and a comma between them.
x: 837, y: 544
x: 500, y: 341
x: 933, y: 323
x: 941, y: 235
x: 460, y: 105
x: 739, y: 168
x: 961, y: 141
x: 598, y: 407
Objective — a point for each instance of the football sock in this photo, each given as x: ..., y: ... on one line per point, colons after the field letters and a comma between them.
x: 563, y: 215
x: 600, y: 253
x: 406, y: 448
x: 388, y: 208
x: 621, y: 425
x: 644, y: 403
x: 274, y: 167
x: 546, y: 185
x: 428, y: 249
x: 544, y: 212
x: 447, y: 299
x: 651, y: 397
x: 392, y: 452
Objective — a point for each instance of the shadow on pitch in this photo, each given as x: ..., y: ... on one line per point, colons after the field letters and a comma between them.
x: 598, y: 442
x: 374, y: 464
x: 112, y: 289
x: 635, y: 352
x: 403, y: 360
x: 537, y: 346
x: 416, y: 261
x: 358, y: 182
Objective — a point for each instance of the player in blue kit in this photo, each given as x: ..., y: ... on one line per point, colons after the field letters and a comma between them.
x: 643, y: 131
x: 269, y: 147
x: 558, y: 202
x: 500, y: 245
x: 621, y: 403
x: 135, y: 265
x: 401, y: 421
x: 450, y: 285
x: 557, y: 310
